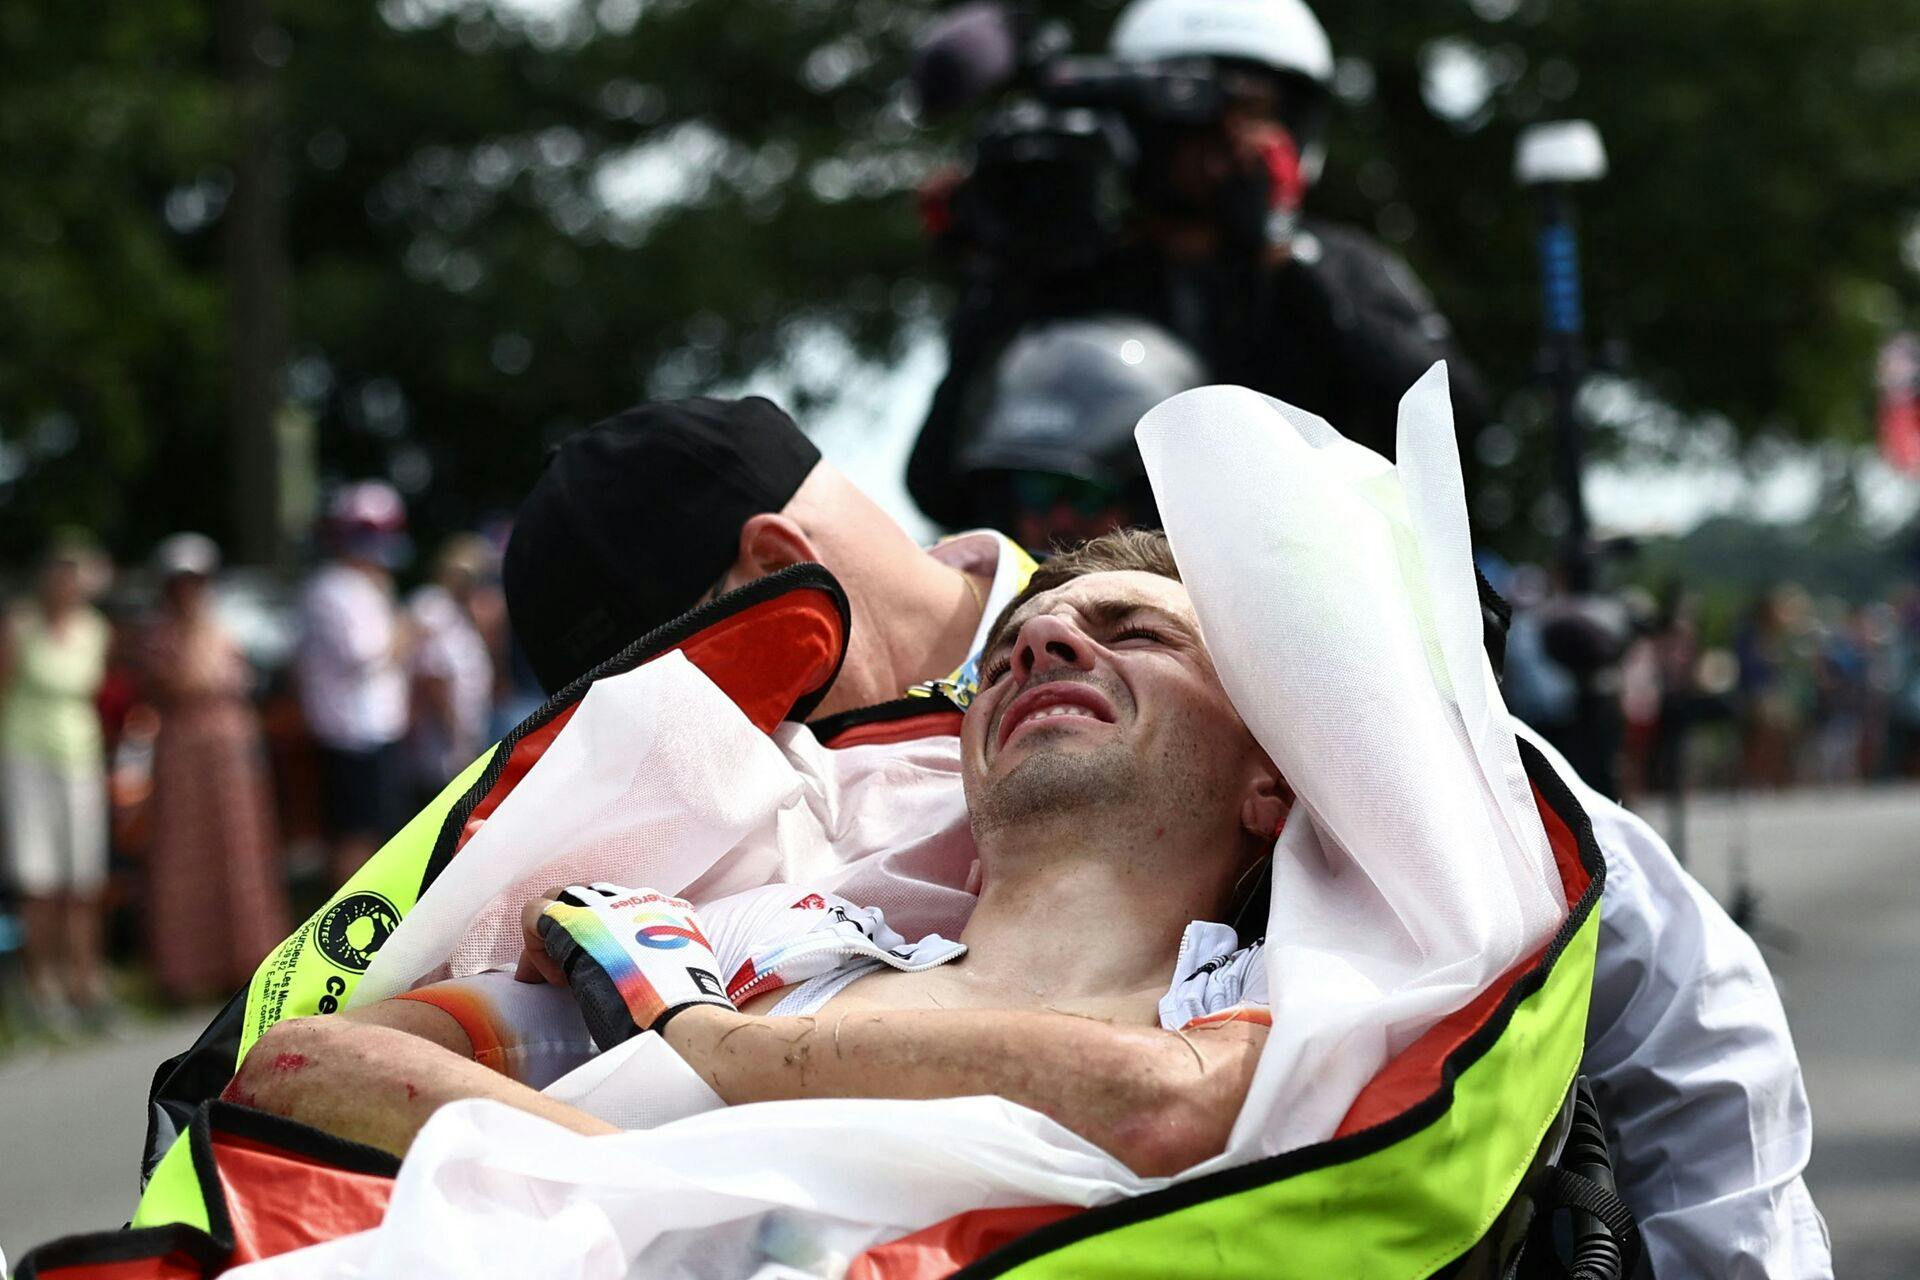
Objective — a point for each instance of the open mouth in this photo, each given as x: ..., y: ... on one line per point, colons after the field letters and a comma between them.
x: 1056, y: 699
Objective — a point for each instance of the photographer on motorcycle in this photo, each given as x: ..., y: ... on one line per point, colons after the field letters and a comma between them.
x: 1169, y: 182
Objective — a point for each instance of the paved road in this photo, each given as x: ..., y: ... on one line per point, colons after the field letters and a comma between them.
x: 1839, y: 881
x: 1839, y: 894
x: 71, y: 1125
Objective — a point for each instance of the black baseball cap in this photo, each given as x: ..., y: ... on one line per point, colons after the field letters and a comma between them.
x: 635, y: 518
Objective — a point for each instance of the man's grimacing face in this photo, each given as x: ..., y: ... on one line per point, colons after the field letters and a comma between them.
x: 1100, y: 693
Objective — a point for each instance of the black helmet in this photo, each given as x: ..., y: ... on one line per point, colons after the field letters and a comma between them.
x: 1060, y: 401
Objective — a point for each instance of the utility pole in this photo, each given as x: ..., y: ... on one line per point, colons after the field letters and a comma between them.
x: 256, y: 270
x: 1584, y: 631
x: 1550, y: 160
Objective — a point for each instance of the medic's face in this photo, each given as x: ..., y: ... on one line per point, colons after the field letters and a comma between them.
x: 1101, y: 691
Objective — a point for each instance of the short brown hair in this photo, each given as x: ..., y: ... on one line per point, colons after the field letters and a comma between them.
x: 1122, y: 551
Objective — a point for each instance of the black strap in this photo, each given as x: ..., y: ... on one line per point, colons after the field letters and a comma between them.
x: 1564, y: 1189
x: 1496, y: 620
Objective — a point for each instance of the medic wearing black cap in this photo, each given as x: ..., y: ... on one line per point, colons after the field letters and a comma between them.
x: 645, y: 515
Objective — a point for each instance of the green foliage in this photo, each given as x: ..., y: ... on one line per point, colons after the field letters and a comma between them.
x: 505, y: 221
x: 1745, y: 247
x: 105, y: 315
x: 523, y: 226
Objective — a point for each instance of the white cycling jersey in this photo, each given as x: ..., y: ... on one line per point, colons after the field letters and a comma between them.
x: 813, y: 945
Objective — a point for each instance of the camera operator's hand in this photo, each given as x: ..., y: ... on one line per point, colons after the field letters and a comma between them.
x: 1234, y: 185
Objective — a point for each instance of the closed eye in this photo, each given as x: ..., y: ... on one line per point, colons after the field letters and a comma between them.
x: 990, y: 675
x: 1137, y: 633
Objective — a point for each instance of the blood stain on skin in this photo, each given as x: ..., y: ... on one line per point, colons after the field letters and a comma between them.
x: 234, y: 1093
x: 412, y: 1092
x: 289, y: 1062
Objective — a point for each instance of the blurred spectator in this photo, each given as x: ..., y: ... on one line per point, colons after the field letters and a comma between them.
x: 1769, y: 718
x: 215, y: 898
x: 1874, y: 627
x: 1903, y: 711
x: 452, y: 667
x: 1683, y: 703
x: 119, y: 691
x: 52, y: 776
x: 1840, y: 699
x: 1640, y: 680
x: 352, y: 673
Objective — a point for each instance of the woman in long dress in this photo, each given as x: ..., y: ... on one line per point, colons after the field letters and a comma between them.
x: 217, y: 898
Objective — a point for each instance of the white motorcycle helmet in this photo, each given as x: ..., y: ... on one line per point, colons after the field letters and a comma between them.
x: 1282, y: 36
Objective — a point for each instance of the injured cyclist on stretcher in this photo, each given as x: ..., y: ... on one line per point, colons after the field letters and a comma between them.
x: 1121, y: 811
x: 1337, y: 599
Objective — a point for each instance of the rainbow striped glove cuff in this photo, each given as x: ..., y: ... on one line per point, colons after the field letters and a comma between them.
x: 632, y: 957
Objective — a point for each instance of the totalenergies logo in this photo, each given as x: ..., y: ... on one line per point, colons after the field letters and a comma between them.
x: 664, y: 932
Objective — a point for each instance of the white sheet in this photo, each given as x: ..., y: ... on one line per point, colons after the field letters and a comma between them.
x: 1337, y: 597
x: 654, y: 779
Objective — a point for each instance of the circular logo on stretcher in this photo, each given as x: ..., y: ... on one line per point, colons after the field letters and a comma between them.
x: 352, y: 929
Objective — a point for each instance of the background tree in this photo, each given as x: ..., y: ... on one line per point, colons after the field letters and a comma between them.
x: 498, y: 222
x: 111, y: 342
x: 1745, y: 252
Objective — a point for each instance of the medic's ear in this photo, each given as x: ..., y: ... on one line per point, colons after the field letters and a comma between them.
x: 769, y: 542
x: 1266, y: 806
x: 1262, y: 814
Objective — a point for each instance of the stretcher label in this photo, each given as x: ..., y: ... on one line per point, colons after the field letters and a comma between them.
x: 316, y: 969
